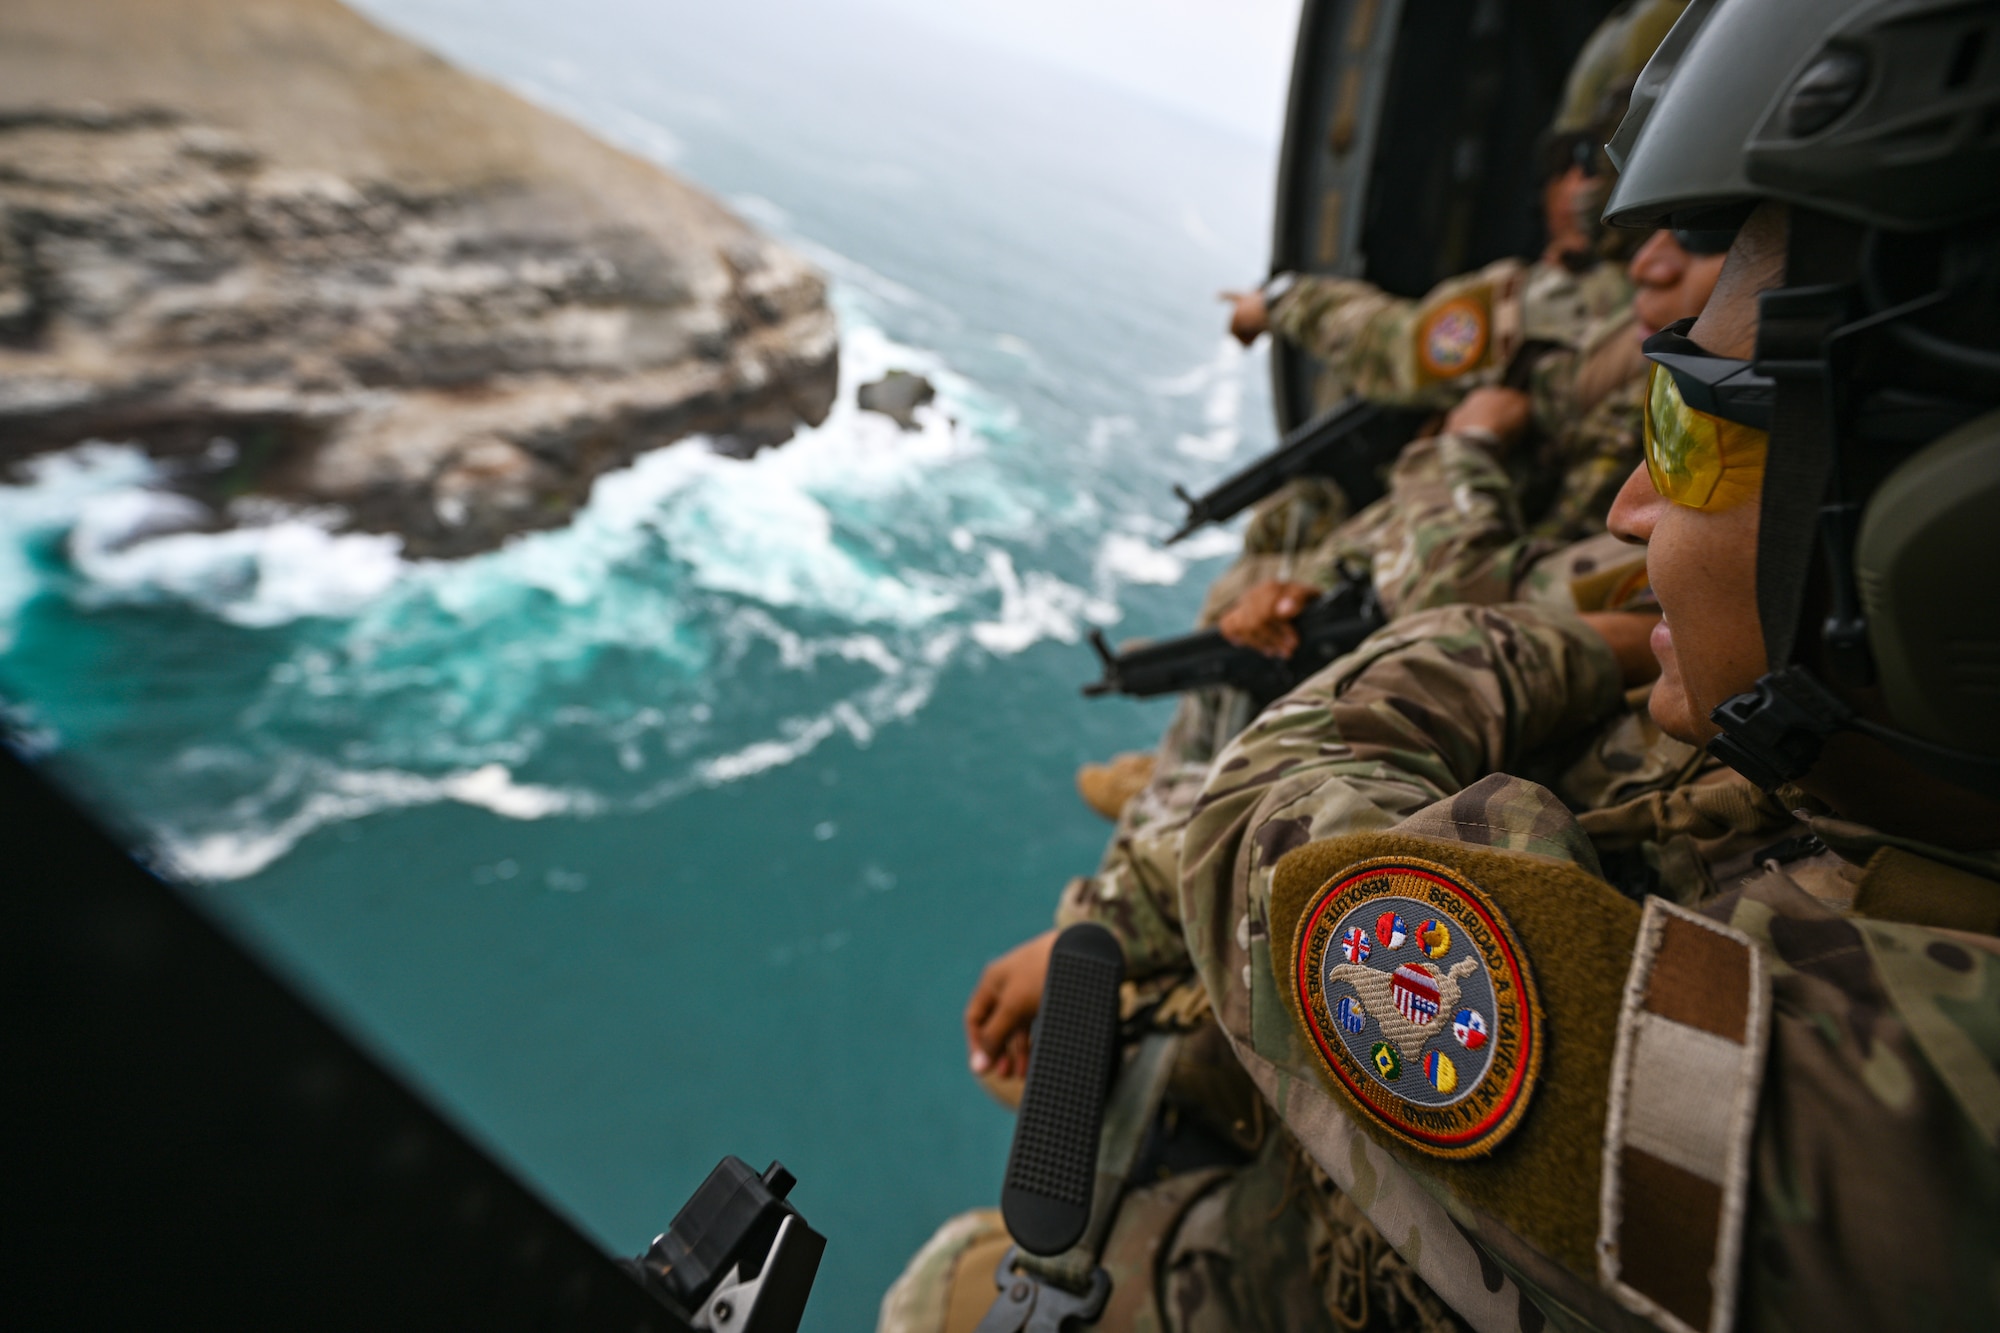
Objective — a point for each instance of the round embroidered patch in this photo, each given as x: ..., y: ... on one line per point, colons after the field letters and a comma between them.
x: 1452, y: 338
x: 1436, y: 1030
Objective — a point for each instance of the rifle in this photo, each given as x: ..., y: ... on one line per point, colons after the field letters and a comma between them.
x: 1331, y: 627
x: 1348, y: 442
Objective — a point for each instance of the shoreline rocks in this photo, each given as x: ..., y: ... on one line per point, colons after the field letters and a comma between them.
x: 391, y: 287
x: 897, y: 395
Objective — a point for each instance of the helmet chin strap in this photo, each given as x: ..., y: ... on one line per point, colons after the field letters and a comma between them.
x: 1774, y: 732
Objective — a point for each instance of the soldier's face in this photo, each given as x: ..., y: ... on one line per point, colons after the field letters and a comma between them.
x: 1564, y: 209
x: 1703, y: 563
x: 1669, y: 283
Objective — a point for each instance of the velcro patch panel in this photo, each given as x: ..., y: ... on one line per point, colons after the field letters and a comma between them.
x: 1692, y: 1031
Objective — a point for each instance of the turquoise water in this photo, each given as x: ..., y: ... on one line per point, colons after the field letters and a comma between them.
x: 685, y: 829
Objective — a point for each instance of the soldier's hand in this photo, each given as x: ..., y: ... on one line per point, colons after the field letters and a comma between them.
x: 1249, y: 316
x: 1500, y: 414
x: 1630, y: 634
x: 1003, y: 1004
x: 1262, y: 617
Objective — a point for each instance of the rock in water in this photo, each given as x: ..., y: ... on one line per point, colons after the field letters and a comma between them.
x: 399, y: 289
x: 897, y: 394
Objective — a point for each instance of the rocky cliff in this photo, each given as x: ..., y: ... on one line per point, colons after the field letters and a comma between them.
x: 318, y: 265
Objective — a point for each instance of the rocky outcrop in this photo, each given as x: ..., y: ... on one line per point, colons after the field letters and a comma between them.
x: 897, y: 395
x: 391, y: 287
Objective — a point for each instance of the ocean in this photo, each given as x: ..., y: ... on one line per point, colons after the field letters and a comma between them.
x: 685, y: 829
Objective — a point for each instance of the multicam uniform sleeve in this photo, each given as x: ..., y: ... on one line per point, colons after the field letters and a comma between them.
x: 1449, y: 530
x: 1335, y: 318
x: 1875, y: 1173
x: 1424, y: 354
x: 1593, y: 456
x: 1423, y: 709
x: 1135, y: 893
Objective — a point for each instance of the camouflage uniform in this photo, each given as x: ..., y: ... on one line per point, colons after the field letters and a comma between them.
x: 1374, y: 344
x: 1273, y: 1244
x: 1354, y: 1269
x: 1263, y: 1242
x: 1584, y: 407
x: 1440, y: 482
x: 1452, y: 527
x: 1874, y: 1164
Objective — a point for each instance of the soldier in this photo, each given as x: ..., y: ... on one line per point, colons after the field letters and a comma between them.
x: 1572, y: 322
x: 1466, y: 330
x: 1776, y: 1108
x: 1452, y: 526
x: 1763, y: 1095
x: 1263, y: 1240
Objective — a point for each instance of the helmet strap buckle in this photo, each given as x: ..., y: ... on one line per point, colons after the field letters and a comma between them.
x: 1773, y: 733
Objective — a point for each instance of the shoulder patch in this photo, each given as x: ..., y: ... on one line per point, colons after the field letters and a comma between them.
x: 1435, y: 1031
x: 1452, y: 338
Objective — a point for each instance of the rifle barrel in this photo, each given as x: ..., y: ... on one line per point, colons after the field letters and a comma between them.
x: 1346, y: 442
x: 1328, y: 629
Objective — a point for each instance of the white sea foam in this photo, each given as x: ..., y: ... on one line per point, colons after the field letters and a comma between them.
x: 262, y: 575
x: 128, y: 540
x: 1125, y: 558
x: 335, y: 795
x: 1036, y: 607
x: 857, y: 545
x: 55, y: 489
x: 1209, y: 543
x: 756, y: 208
x: 1106, y: 431
x: 1221, y: 409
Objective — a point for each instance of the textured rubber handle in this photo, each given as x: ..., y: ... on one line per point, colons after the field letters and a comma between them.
x: 1053, y: 1166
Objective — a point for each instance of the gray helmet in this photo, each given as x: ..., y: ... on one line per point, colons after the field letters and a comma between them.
x: 1877, y: 366
x: 1885, y: 112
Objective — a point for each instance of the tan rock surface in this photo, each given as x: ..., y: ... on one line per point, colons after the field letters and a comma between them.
x: 392, y: 286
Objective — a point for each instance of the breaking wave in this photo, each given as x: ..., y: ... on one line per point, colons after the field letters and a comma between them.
x: 621, y: 661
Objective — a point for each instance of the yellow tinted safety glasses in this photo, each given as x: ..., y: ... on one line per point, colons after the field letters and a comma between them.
x: 1694, y: 458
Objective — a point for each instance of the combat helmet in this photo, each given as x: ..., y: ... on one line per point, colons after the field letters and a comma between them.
x: 1601, y: 79
x: 1594, y: 99
x: 1877, y: 363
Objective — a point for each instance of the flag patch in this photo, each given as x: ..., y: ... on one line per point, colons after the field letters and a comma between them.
x: 1389, y: 929
x: 1354, y: 946
x: 1387, y: 1062
x: 1440, y: 1071
x: 1469, y: 1026
x: 1350, y: 1015
x: 1415, y: 991
x: 1434, y: 938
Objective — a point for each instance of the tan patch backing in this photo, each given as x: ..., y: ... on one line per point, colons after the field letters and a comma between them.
x: 1577, y: 931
